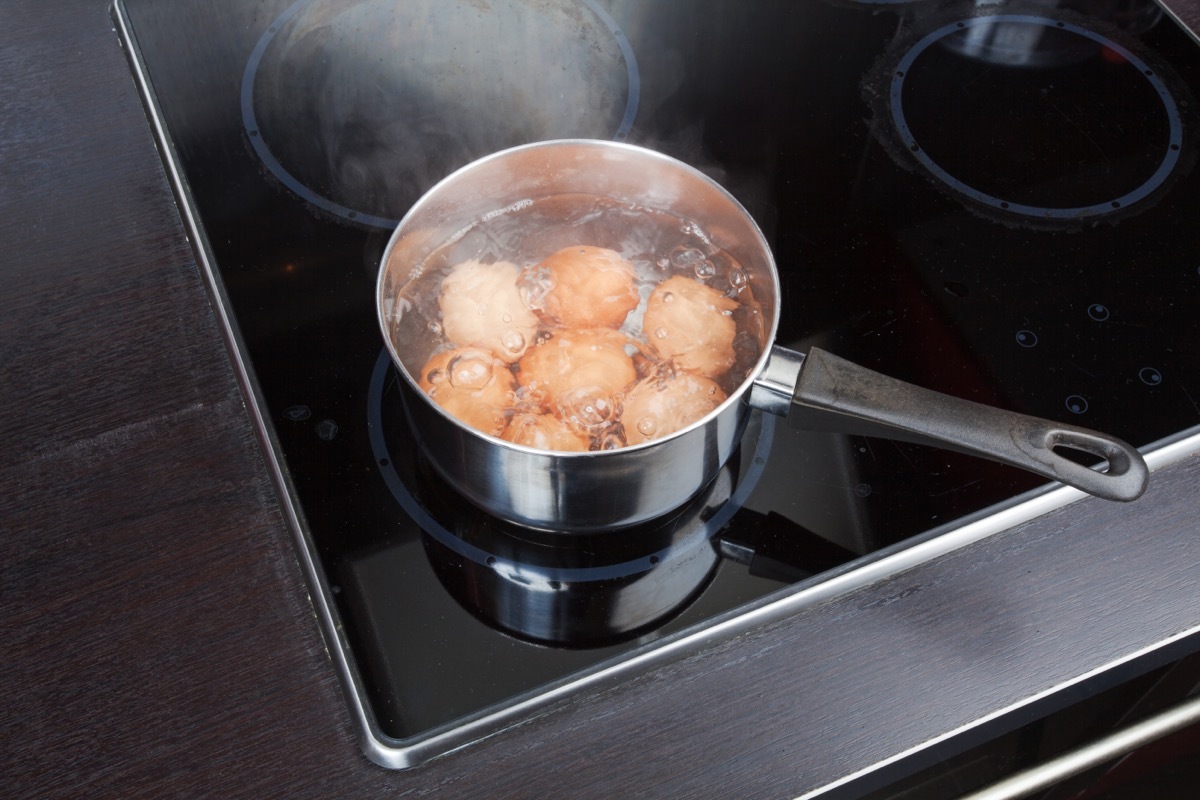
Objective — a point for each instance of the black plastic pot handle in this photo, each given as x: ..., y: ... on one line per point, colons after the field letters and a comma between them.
x: 834, y: 394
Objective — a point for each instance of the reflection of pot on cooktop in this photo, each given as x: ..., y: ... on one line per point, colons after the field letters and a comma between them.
x: 360, y: 107
x: 1041, y: 117
x: 579, y: 591
x: 595, y: 590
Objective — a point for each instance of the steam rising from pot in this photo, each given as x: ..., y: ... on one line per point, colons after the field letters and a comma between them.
x: 367, y: 105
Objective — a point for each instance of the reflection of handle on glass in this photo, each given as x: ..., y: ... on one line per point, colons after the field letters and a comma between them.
x: 825, y: 392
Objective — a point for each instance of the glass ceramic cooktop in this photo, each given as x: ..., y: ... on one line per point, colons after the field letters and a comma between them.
x: 994, y: 200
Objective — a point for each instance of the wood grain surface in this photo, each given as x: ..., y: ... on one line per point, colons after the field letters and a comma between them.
x: 157, y: 639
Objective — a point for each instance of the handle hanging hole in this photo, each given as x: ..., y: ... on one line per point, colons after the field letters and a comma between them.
x: 1082, y: 457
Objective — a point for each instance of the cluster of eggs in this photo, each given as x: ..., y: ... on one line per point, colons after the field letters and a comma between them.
x: 542, y: 355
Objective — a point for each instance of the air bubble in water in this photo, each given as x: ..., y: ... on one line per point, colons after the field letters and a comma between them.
x: 533, y: 285
x: 588, y: 407
x: 687, y: 257
x: 472, y: 370
x: 513, y: 342
x: 612, y: 439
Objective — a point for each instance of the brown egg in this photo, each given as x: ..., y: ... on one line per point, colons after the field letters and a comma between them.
x: 545, y: 432
x: 692, y: 324
x: 582, y: 287
x: 662, y: 404
x: 472, y: 385
x: 577, y: 373
x: 482, y: 307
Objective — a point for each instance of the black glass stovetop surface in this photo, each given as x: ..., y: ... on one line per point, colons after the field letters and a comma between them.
x: 998, y: 201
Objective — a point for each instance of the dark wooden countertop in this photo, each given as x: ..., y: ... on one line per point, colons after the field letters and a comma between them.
x: 157, y: 637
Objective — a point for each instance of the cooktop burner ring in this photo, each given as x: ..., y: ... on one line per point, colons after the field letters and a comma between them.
x: 428, y: 522
x: 286, y: 176
x: 910, y: 141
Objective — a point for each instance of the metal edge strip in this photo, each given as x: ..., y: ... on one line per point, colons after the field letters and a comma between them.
x: 1094, y: 754
x: 402, y: 754
x: 1183, y: 26
x: 1003, y: 712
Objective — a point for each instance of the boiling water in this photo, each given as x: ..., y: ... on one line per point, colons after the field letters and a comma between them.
x: 657, y: 244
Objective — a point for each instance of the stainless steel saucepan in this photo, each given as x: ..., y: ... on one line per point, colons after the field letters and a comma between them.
x: 606, y: 489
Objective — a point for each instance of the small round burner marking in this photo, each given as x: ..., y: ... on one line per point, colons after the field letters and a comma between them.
x: 1027, y: 338
x: 1150, y: 376
x: 1098, y: 312
x: 297, y: 413
x: 1164, y: 169
x: 1077, y: 404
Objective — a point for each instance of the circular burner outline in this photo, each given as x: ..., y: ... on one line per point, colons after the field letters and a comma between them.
x: 250, y: 120
x: 430, y: 525
x: 1174, y: 147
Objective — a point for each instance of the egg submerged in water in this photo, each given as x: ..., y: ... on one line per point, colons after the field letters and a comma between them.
x: 692, y: 325
x: 545, y: 432
x: 482, y: 307
x: 581, y: 287
x: 669, y: 401
x: 473, y: 386
x: 568, y: 363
